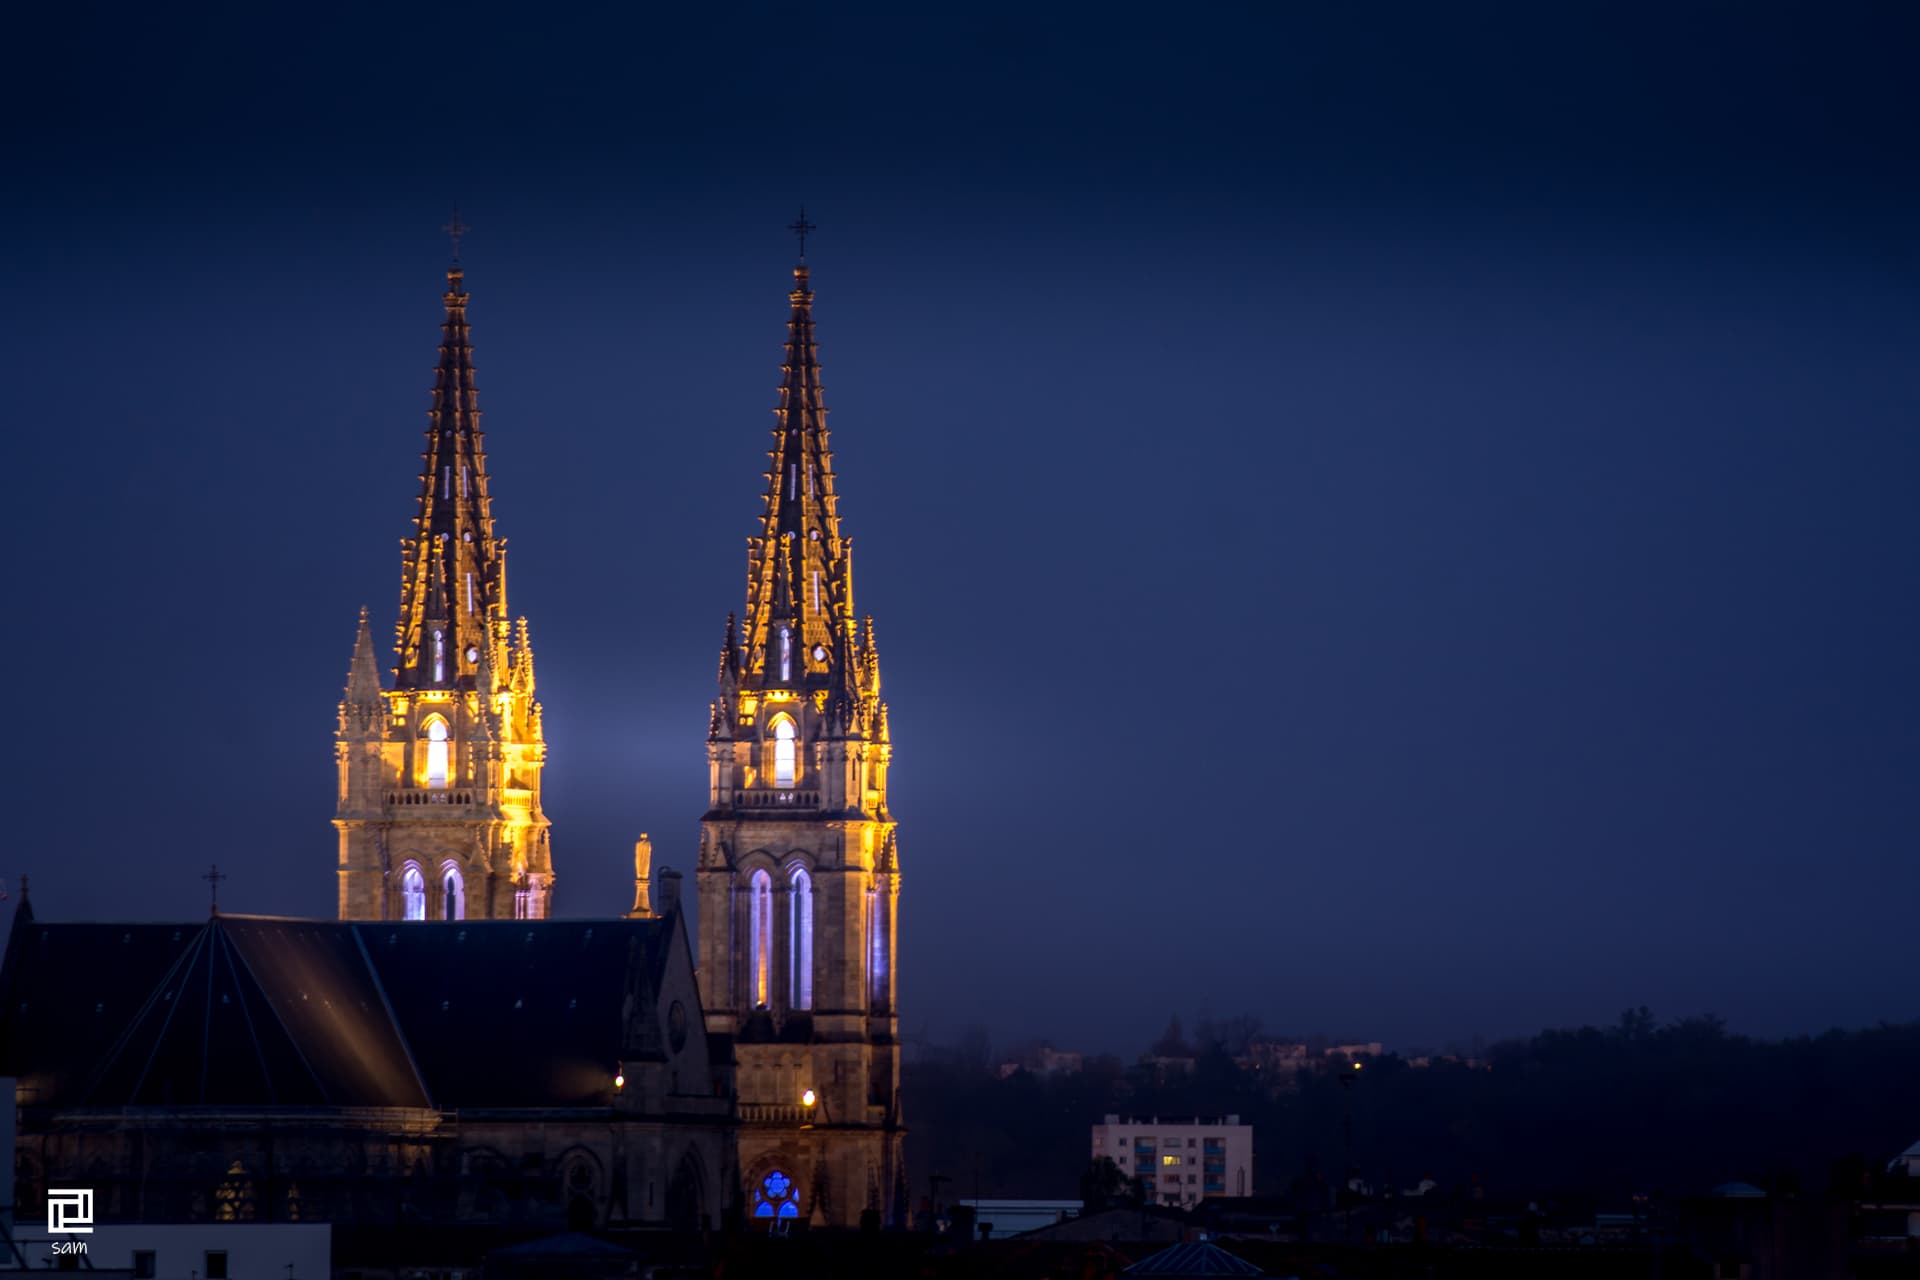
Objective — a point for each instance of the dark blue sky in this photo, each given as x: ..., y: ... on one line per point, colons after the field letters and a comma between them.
x: 1398, y: 519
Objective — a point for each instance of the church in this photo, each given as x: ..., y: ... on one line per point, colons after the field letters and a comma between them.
x: 447, y: 1050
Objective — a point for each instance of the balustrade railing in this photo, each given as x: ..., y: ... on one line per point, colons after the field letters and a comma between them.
x: 777, y: 798
x: 453, y: 798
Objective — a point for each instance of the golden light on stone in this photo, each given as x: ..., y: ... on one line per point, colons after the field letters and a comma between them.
x: 467, y: 794
x: 798, y: 883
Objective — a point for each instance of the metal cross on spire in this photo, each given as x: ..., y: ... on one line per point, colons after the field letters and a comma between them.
x: 455, y: 230
x: 213, y: 878
x: 800, y: 230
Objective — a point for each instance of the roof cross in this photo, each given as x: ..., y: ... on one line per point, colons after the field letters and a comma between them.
x: 213, y: 877
x: 455, y: 230
x: 800, y: 230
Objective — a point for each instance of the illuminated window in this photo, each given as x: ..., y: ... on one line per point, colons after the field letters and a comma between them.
x: 437, y: 751
x: 786, y: 654
x: 776, y: 1197
x: 413, y: 893
x: 876, y: 949
x: 439, y: 657
x: 453, y: 899
x: 783, y: 752
x: 800, y: 939
x: 760, y: 936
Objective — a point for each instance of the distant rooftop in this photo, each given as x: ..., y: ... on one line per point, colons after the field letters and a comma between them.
x: 1163, y: 1120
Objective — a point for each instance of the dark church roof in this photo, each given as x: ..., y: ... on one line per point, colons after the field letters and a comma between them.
x: 253, y: 1010
x: 503, y: 1012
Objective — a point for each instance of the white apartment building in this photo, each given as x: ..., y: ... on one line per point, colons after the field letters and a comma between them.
x: 1181, y: 1161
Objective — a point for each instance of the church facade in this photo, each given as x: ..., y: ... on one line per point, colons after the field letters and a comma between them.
x: 444, y: 1049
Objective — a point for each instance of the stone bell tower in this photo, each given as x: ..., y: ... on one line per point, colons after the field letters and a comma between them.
x: 438, y: 806
x: 798, y: 876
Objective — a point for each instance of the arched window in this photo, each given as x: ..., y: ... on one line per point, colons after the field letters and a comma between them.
x: 760, y: 935
x: 800, y: 940
x: 413, y: 893
x: 776, y: 1197
x: 783, y: 752
x: 453, y: 897
x: 877, y: 945
x: 437, y: 752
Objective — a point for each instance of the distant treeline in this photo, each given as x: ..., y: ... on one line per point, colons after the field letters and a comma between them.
x: 1667, y: 1110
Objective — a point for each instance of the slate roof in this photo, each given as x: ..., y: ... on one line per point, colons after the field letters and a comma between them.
x: 254, y: 1010
x: 503, y: 1012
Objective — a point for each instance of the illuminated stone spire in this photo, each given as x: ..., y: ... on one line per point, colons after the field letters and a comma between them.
x: 798, y: 627
x: 361, y: 708
x: 438, y: 808
x: 798, y: 873
x: 453, y: 592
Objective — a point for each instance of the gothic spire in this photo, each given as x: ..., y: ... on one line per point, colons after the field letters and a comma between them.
x: 799, y: 625
x: 363, y: 675
x: 453, y: 590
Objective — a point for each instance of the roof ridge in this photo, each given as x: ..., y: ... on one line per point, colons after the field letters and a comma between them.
x: 266, y: 1072
x: 187, y: 958
x: 126, y: 1033
x: 393, y: 1020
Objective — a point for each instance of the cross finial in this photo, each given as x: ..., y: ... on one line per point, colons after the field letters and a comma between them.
x: 800, y: 230
x: 213, y: 878
x: 455, y: 230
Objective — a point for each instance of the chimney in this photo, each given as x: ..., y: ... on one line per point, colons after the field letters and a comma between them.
x: 667, y: 891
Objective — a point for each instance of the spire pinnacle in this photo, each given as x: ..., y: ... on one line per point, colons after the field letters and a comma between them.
x: 363, y: 675
x: 455, y: 574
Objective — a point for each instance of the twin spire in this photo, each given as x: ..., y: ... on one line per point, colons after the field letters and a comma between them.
x: 799, y: 629
x: 453, y: 591
x: 799, y: 625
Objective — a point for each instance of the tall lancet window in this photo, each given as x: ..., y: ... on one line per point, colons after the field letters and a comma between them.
x: 800, y: 939
x: 876, y: 947
x: 785, y: 752
x: 413, y: 893
x: 786, y: 654
x: 760, y: 938
x: 438, y: 750
x: 453, y: 897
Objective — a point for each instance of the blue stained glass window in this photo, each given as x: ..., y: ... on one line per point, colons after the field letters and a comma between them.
x: 776, y: 1197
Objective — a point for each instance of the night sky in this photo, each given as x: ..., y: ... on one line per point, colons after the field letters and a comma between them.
x: 1398, y: 519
